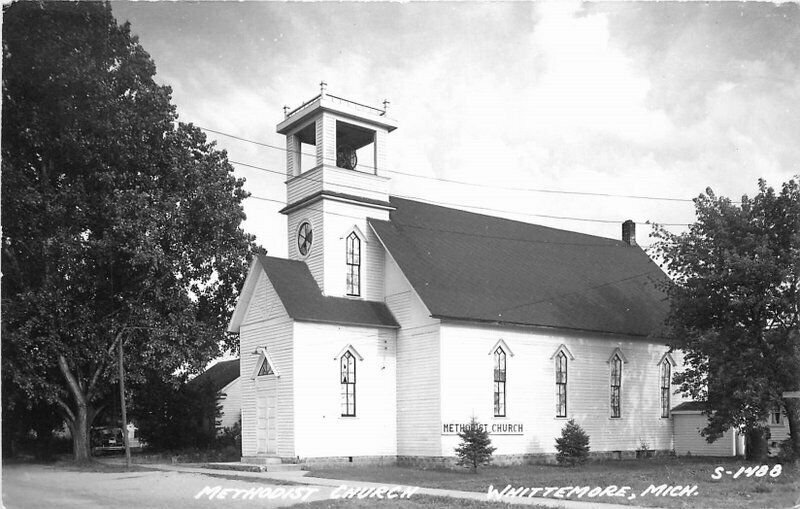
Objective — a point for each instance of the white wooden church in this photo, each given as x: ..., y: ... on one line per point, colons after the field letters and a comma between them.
x: 393, y: 321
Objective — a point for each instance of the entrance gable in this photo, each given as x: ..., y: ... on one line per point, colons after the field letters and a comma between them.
x: 258, y: 300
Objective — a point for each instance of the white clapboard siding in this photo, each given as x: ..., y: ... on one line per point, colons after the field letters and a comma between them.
x: 231, y: 402
x: 418, y: 368
x: 266, y: 325
x: 374, y: 265
x: 304, y: 185
x: 340, y: 219
x: 779, y: 432
x: 358, y: 183
x: 689, y: 441
x: 321, y: 431
x: 467, y: 388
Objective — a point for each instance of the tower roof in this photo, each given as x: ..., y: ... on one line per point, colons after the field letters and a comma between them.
x: 338, y: 105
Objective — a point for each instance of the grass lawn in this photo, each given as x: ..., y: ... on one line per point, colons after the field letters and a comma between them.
x: 779, y: 492
x: 416, y: 501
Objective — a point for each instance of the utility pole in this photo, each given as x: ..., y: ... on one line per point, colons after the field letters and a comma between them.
x: 122, y: 406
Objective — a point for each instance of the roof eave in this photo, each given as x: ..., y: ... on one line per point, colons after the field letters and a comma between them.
x: 346, y: 323
x: 507, y: 323
x: 332, y: 195
x: 244, y: 297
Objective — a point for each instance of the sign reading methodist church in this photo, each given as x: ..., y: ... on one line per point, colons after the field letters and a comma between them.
x: 499, y: 428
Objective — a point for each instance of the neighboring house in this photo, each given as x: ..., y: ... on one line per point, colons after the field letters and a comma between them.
x: 689, y: 420
x: 223, y: 377
x: 393, y: 321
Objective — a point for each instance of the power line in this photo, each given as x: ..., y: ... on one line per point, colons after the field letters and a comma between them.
x: 450, y: 204
x: 470, y: 234
x: 474, y: 184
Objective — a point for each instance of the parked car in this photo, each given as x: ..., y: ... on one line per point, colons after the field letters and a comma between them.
x: 107, y: 439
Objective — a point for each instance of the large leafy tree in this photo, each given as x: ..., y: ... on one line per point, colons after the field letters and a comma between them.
x: 735, y: 307
x: 120, y: 225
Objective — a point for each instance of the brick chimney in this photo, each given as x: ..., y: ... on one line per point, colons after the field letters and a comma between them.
x: 629, y: 232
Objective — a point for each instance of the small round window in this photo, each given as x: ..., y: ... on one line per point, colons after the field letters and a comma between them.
x: 305, y: 236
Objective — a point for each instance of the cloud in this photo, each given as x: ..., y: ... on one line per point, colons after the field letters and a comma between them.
x: 658, y: 98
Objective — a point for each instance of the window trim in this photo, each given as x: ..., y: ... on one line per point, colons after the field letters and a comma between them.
x: 665, y: 392
x: 353, y: 263
x: 263, y: 355
x: 666, y: 359
x: 616, y: 388
x: 498, y: 383
x: 561, y: 356
x: 311, y: 243
x: 347, y: 382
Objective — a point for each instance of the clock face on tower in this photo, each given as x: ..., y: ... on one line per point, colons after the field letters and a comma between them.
x: 305, y: 237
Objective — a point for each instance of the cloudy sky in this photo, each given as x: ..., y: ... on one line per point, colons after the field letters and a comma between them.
x: 656, y: 99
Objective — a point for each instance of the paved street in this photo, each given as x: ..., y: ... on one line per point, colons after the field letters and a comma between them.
x: 39, y: 486
x: 42, y: 486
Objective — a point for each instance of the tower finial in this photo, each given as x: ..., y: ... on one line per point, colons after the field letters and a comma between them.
x: 285, y: 111
x: 322, y: 88
x: 385, y: 106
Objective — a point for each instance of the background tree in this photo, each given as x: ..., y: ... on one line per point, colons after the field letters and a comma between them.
x: 172, y: 415
x: 475, y: 448
x: 119, y: 224
x: 734, y: 300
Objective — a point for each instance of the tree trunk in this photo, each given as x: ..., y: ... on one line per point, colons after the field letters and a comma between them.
x: 80, y: 421
x: 756, y: 445
x: 80, y: 436
x: 792, y: 406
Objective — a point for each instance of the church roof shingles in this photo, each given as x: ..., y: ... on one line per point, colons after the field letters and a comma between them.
x: 304, y: 301
x: 468, y: 266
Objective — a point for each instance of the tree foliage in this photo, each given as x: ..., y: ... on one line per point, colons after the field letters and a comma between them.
x: 735, y: 298
x: 475, y: 448
x: 572, y: 445
x: 174, y: 415
x: 119, y: 223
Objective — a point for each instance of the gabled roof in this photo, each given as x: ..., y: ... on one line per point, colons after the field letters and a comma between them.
x: 468, y: 266
x: 218, y: 376
x: 303, y: 300
x: 690, y: 406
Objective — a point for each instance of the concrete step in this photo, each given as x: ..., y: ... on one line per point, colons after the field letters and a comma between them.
x: 284, y: 467
x: 262, y: 460
x: 252, y: 467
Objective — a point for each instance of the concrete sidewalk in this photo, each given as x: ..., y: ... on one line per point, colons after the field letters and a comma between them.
x: 332, y: 484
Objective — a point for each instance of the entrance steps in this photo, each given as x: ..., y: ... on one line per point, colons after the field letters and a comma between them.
x: 260, y: 463
x: 253, y: 467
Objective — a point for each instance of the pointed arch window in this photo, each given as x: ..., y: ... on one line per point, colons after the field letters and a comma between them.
x: 561, y: 384
x: 499, y: 382
x: 666, y: 374
x: 353, y: 265
x: 616, y: 386
x: 347, y: 378
x: 265, y: 365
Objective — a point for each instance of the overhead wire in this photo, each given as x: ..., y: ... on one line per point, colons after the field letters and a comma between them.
x: 606, y: 244
x: 466, y: 183
x: 310, y: 178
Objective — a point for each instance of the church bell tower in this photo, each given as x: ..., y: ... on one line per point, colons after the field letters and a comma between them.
x: 336, y: 154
